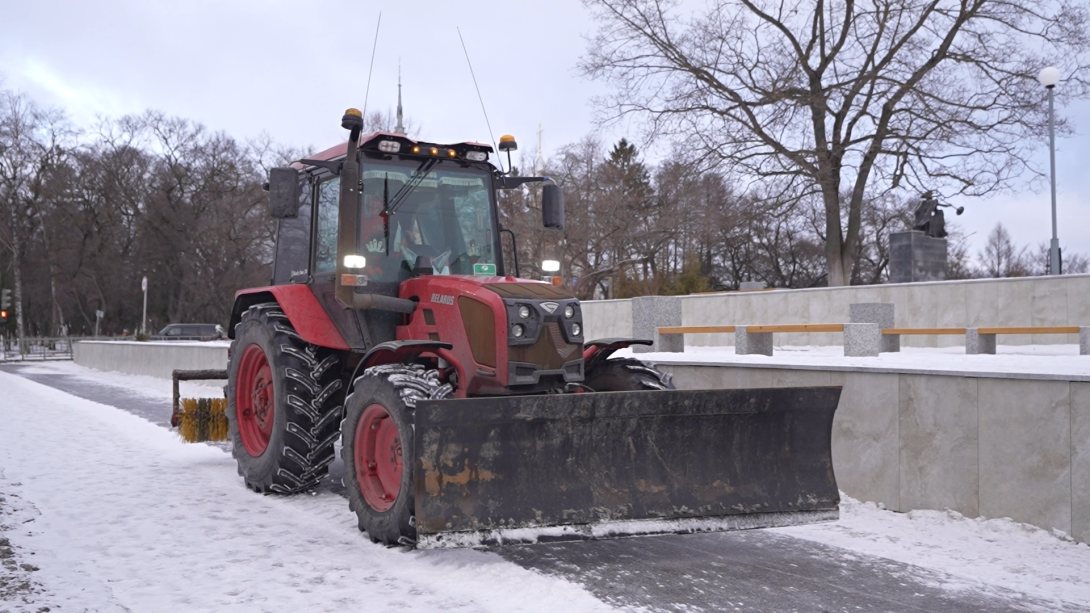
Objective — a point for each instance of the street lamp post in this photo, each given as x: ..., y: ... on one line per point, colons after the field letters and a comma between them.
x: 144, y: 321
x: 1049, y: 77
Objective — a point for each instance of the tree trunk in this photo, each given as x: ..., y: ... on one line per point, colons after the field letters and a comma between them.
x: 17, y: 267
x: 839, y: 267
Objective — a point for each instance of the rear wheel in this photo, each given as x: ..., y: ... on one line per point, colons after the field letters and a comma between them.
x: 377, y: 440
x: 627, y: 375
x: 283, y: 403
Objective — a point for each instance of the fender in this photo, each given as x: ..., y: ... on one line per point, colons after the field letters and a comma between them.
x: 597, y: 351
x: 397, y: 352
x: 303, y: 310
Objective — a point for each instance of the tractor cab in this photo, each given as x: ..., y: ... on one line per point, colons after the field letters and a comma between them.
x: 356, y: 232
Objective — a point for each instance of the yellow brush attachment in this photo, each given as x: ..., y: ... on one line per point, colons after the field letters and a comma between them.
x: 203, y: 419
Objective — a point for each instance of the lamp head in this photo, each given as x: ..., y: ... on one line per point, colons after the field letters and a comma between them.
x: 1049, y: 76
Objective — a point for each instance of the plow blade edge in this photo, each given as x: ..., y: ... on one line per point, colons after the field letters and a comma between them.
x: 530, y: 468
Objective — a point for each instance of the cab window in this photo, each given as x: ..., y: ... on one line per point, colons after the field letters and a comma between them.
x: 325, y: 253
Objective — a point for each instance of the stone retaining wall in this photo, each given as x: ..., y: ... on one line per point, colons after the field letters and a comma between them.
x: 157, y: 359
x: 1028, y: 301
x: 982, y: 445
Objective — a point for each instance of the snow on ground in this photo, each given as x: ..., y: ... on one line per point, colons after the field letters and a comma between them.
x: 146, y: 386
x: 127, y: 516
x: 996, y: 552
x: 1059, y: 361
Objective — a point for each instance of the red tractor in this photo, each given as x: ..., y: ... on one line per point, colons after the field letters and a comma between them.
x: 467, y: 402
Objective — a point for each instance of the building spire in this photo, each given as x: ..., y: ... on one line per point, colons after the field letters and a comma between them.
x: 399, y: 128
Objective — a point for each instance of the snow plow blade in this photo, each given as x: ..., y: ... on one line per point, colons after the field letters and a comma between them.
x: 499, y: 470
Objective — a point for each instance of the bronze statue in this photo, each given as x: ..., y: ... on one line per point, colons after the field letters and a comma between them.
x: 929, y: 219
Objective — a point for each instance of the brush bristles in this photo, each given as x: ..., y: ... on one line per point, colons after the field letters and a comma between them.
x: 203, y: 419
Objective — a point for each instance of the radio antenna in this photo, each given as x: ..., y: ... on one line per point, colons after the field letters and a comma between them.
x: 481, y: 98
x: 374, y: 46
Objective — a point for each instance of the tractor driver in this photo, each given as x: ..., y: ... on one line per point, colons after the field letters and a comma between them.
x: 371, y: 224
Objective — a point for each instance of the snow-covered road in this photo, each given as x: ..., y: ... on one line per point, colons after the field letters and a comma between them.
x: 123, y: 516
x: 117, y: 514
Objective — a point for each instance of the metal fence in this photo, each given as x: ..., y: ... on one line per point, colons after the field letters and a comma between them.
x: 35, y: 348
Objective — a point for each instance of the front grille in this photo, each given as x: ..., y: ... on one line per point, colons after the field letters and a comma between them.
x: 550, y: 352
x: 480, y: 325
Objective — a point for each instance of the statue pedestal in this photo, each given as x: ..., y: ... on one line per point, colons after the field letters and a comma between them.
x: 915, y: 256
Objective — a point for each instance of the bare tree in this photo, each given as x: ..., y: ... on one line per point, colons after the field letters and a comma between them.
x: 1001, y: 257
x: 1073, y: 263
x: 855, y: 98
x: 30, y: 151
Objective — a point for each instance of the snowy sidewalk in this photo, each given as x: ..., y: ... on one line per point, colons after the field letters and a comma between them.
x: 127, y: 517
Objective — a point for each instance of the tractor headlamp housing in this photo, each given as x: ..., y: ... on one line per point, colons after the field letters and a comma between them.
x: 389, y: 146
x: 398, y: 144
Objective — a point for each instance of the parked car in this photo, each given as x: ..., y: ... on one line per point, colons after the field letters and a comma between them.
x: 191, y: 332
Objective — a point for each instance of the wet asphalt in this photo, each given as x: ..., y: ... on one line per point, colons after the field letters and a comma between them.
x: 751, y: 570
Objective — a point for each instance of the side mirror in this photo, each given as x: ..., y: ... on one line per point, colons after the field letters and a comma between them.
x: 552, y: 206
x: 284, y: 192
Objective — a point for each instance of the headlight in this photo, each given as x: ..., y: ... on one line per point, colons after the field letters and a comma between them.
x: 524, y: 311
x: 576, y: 329
x: 569, y: 312
x: 355, y: 261
x: 517, y: 330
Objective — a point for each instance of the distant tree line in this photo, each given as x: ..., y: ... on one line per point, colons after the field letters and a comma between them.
x: 87, y: 211
x: 637, y: 229
x: 87, y: 214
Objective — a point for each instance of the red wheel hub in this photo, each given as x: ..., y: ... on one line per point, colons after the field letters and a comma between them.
x: 255, y: 401
x: 378, y: 459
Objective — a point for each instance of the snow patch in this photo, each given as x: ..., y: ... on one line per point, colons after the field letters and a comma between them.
x: 997, y: 552
x: 133, y: 519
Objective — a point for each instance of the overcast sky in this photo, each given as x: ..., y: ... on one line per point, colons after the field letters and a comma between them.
x: 290, y: 69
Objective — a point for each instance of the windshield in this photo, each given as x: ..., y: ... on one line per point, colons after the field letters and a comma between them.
x: 445, y: 219
x: 443, y: 215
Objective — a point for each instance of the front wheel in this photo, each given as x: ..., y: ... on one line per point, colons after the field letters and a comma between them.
x: 283, y: 403
x: 627, y: 375
x: 377, y: 439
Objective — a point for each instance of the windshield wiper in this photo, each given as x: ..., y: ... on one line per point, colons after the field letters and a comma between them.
x: 413, y: 182
x: 388, y: 208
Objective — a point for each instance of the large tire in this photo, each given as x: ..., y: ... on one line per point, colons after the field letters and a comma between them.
x: 377, y: 448
x: 627, y: 375
x: 283, y: 403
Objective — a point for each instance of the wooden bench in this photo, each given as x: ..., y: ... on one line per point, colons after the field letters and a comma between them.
x: 921, y: 331
x: 860, y: 338
x: 982, y: 340
x: 672, y: 338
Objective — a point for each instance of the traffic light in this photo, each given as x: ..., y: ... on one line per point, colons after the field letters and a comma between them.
x: 5, y: 299
x: 3, y: 316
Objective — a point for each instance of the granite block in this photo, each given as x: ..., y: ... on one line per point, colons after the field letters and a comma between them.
x: 862, y: 339
x: 915, y: 256
x: 975, y: 342
x: 650, y: 312
x: 890, y: 343
x: 747, y: 343
x: 669, y: 343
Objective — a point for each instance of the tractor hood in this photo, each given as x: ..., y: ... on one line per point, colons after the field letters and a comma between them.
x: 509, y: 335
